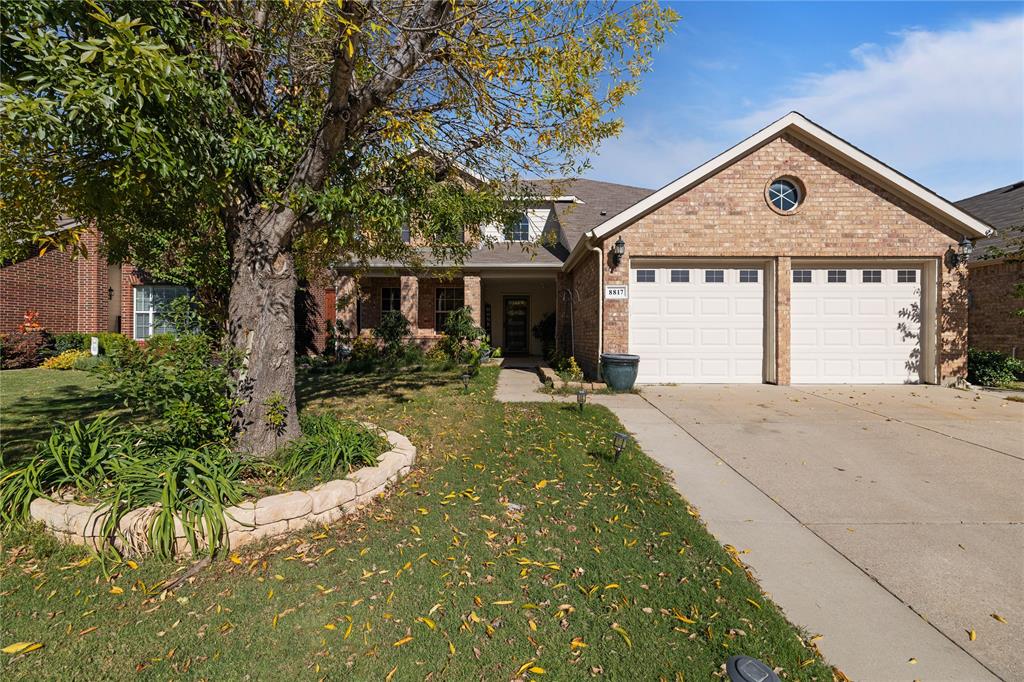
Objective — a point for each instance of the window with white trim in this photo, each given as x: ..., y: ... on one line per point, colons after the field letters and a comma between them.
x: 871, y: 276
x: 446, y: 301
x: 150, y: 304
x: 905, y: 276
x: 390, y: 299
x: 714, y: 276
x: 645, y: 275
x: 801, y: 276
x: 748, y: 276
x: 520, y: 230
x: 836, y: 276
x: 680, y: 276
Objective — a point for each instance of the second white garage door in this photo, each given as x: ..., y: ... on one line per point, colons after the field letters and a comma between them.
x: 855, y: 326
x: 697, y: 325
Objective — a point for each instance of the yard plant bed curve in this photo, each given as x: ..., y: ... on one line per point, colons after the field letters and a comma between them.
x: 266, y: 517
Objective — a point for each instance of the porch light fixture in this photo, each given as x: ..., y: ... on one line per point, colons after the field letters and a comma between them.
x: 618, y: 251
x: 747, y: 669
x: 465, y: 383
x: 965, y: 250
x: 620, y: 442
x: 581, y: 398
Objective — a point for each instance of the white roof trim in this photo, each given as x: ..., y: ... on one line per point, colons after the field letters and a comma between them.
x: 817, y: 136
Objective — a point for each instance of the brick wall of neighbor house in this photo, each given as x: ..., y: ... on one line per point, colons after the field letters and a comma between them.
x: 842, y: 215
x: 994, y: 324
x: 69, y: 294
x: 130, y: 277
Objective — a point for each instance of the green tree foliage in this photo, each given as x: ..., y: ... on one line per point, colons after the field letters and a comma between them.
x: 244, y: 142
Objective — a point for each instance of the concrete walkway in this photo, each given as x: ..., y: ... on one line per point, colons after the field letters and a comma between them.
x: 868, y: 633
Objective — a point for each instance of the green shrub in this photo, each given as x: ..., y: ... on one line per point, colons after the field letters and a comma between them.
x: 65, y: 360
x: 392, y: 332
x: 113, y: 343
x: 330, y: 447
x: 91, y: 363
x: 185, y: 385
x: 462, y: 340
x: 992, y: 368
x: 70, y: 341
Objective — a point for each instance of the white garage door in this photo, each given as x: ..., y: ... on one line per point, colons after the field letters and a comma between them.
x: 697, y: 324
x: 857, y: 326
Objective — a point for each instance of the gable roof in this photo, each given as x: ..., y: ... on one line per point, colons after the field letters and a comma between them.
x: 804, y: 129
x: 1003, y: 209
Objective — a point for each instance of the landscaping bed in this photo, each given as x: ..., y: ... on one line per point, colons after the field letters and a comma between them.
x: 515, y: 549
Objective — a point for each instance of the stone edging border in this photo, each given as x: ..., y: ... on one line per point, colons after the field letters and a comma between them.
x: 247, y: 522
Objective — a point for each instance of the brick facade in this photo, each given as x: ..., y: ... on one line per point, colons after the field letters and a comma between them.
x: 993, y: 323
x: 843, y: 215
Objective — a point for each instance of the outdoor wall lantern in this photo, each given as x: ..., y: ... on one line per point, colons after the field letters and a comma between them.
x: 618, y: 251
x: 581, y: 398
x: 465, y: 383
x: 747, y: 669
x: 965, y: 250
x: 620, y: 442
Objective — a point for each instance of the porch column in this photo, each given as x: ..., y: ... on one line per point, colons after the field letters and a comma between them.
x: 471, y: 296
x: 344, y: 315
x: 411, y: 301
x: 783, y: 286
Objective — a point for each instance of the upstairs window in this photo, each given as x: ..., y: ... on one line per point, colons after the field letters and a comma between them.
x: 520, y: 230
x: 406, y: 234
x: 784, y: 195
x: 390, y: 299
x: 447, y: 300
x: 151, y: 307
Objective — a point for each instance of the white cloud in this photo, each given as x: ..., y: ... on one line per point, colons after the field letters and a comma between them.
x: 944, y: 107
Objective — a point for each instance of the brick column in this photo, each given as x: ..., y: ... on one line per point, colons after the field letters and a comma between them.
x: 411, y: 301
x: 471, y: 296
x: 784, y: 278
x: 563, y: 342
x: 345, y: 304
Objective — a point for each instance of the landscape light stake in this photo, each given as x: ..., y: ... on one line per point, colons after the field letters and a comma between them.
x: 581, y: 398
x: 747, y: 669
x: 620, y: 442
x: 465, y: 383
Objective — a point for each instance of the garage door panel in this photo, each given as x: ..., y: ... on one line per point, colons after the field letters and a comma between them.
x: 705, y: 331
x: 855, y: 331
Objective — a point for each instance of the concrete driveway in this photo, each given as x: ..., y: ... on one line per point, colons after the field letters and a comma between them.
x: 921, y: 487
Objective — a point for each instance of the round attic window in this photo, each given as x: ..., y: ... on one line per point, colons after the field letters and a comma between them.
x: 784, y: 195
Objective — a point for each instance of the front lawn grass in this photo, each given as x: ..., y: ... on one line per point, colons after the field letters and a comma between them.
x: 515, y: 550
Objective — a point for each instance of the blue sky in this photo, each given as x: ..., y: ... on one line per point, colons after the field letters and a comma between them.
x: 935, y: 90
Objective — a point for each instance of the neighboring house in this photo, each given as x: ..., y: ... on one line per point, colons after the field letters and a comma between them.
x: 792, y: 257
x: 86, y: 294
x: 995, y: 271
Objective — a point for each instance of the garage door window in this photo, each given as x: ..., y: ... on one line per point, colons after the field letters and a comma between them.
x: 836, y: 276
x: 872, y: 277
x: 906, y: 276
x: 680, y: 276
x: 748, y: 276
x: 801, y: 276
x: 714, y: 276
x: 645, y: 275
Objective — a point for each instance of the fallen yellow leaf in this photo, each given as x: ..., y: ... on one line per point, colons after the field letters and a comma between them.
x: 622, y: 633
x: 330, y: 626
x: 114, y: 589
x: 235, y: 559
x: 999, y: 618
x: 403, y: 641
x: 972, y: 635
x: 21, y: 647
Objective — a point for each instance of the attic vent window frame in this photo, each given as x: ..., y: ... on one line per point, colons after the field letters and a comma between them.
x: 785, y: 194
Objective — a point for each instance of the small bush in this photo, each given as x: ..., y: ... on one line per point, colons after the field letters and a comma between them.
x: 113, y: 344
x: 66, y: 360
x: 91, y: 363
x: 24, y: 349
x: 992, y: 368
x: 365, y: 354
x: 330, y: 447
x: 70, y: 341
x: 462, y: 340
x: 392, y: 332
x: 569, y: 370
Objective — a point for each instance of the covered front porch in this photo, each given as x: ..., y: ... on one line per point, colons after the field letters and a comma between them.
x: 507, y: 304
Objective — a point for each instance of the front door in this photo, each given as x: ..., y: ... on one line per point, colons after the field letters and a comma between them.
x: 517, y: 317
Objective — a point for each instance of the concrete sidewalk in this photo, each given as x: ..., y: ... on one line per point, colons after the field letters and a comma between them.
x: 868, y: 633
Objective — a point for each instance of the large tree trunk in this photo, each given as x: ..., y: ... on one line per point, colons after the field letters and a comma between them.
x: 261, y: 324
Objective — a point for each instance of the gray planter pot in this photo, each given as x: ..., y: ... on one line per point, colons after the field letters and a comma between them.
x: 619, y: 370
